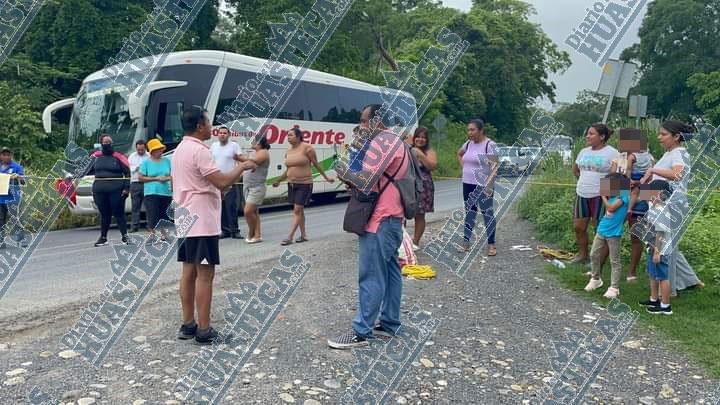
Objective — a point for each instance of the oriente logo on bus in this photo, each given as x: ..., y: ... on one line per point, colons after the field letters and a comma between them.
x: 274, y: 134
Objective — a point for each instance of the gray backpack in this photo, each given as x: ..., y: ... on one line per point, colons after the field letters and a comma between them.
x: 410, y: 186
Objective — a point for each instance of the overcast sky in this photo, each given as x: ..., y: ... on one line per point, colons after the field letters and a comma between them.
x: 557, y: 18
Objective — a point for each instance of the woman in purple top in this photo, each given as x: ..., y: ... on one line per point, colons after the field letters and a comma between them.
x: 478, y: 158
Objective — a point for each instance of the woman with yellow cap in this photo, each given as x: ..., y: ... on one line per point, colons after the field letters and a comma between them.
x: 154, y: 173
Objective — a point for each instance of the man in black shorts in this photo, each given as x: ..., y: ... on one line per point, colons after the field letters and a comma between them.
x: 197, y: 184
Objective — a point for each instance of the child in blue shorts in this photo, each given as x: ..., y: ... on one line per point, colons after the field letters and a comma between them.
x: 659, y: 247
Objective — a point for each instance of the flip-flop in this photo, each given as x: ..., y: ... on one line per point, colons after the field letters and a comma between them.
x: 286, y: 242
x: 492, y: 251
x: 300, y: 240
x: 631, y: 279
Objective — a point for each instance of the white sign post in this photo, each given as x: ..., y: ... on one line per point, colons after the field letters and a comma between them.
x: 638, y: 108
x: 617, y: 78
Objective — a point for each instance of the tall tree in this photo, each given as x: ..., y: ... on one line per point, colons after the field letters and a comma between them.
x: 678, y: 38
x: 706, y: 88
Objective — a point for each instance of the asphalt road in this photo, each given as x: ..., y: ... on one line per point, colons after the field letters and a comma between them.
x: 67, y: 268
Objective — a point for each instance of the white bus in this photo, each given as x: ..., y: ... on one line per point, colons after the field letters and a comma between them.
x: 325, y: 107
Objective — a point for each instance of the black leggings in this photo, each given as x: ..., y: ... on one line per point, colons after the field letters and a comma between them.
x: 156, y: 207
x: 111, y: 203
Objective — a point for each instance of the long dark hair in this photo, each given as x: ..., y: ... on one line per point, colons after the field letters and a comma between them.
x: 420, y: 131
x: 263, y: 142
x: 678, y: 128
x: 604, y: 131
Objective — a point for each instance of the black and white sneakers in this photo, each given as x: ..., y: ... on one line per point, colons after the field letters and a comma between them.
x: 348, y: 340
x: 659, y: 310
x: 650, y: 303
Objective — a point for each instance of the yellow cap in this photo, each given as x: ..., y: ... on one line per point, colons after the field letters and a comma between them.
x: 154, y: 144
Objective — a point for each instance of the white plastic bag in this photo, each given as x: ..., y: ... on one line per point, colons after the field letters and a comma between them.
x: 406, y: 255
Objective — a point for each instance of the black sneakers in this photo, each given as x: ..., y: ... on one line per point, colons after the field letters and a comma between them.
x: 187, y: 331
x: 659, y: 310
x: 380, y: 331
x: 206, y: 336
x: 650, y: 303
x: 348, y: 340
x: 125, y: 240
x: 101, y: 242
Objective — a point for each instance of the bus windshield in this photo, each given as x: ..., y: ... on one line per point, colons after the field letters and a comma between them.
x: 101, y: 107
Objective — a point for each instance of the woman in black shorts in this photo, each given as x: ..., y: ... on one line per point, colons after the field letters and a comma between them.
x: 298, y: 160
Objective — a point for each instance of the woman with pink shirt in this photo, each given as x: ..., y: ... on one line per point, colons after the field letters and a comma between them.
x: 478, y: 158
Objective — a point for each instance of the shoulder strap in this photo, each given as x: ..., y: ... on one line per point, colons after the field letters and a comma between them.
x: 391, y: 179
x: 467, y: 145
x: 487, y: 144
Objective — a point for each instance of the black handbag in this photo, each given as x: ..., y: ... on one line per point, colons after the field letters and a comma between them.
x: 361, y: 207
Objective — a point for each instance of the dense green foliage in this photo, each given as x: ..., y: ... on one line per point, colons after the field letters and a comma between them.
x: 504, y: 70
x: 678, y: 38
x: 706, y: 88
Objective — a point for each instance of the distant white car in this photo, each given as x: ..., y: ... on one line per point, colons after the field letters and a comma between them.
x: 513, y: 161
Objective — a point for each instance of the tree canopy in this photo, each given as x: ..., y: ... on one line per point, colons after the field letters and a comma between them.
x: 505, y: 69
x: 678, y: 38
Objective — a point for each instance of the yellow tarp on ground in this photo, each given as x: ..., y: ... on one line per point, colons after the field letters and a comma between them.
x: 419, y: 272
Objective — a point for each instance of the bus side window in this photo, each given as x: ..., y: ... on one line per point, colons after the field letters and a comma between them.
x: 297, y: 105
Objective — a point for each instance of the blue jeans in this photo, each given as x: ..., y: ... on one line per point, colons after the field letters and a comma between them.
x: 485, y: 203
x: 379, y: 278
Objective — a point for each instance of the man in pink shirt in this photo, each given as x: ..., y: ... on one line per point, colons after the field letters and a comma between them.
x: 380, y: 280
x: 197, y: 185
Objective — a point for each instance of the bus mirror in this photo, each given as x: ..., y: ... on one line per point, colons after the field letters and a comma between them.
x: 136, y: 104
x: 49, y: 110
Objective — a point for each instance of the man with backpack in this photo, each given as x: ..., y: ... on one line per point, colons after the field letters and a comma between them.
x: 380, y: 280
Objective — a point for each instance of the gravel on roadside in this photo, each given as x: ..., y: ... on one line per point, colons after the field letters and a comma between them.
x: 493, y: 344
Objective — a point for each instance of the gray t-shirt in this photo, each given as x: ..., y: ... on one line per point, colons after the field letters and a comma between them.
x: 593, y: 165
x: 258, y: 176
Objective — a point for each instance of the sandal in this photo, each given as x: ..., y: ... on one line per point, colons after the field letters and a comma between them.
x: 492, y: 251
x: 631, y: 279
x: 286, y: 242
x: 300, y: 240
